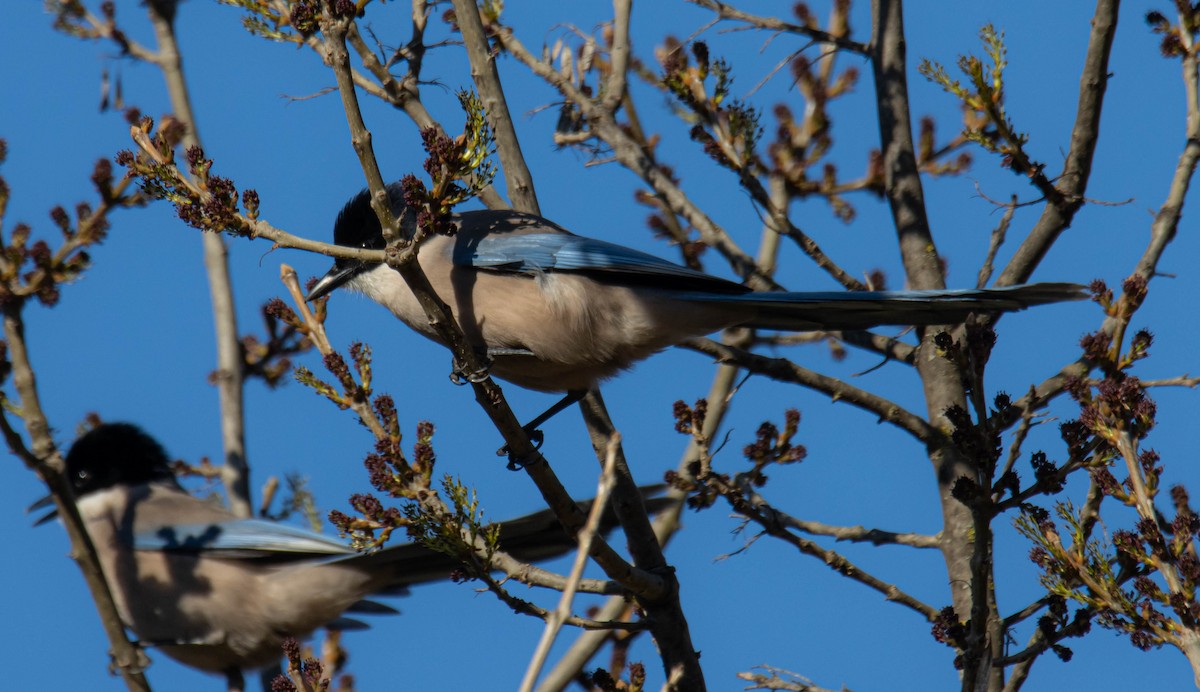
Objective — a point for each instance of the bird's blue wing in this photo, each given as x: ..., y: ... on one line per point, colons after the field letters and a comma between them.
x: 536, y: 253
x: 241, y: 538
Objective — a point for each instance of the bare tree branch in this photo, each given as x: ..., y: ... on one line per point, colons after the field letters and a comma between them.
x: 1068, y: 195
x: 787, y: 371
x: 772, y: 24
x: 775, y: 681
x: 44, y: 458
x: 235, y: 472
x: 487, y: 80
x: 665, y: 526
x: 756, y: 509
x: 487, y: 393
x: 966, y: 537
x: 590, y: 528
x: 859, y: 534
x: 630, y: 155
x: 619, y: 55
x: 664, y: 614
x: 997, y: 239
x: 1166, y: 222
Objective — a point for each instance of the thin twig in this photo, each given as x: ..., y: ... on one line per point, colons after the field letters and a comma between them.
x: 316, y: 333
x: 773, y: 24
x: 755, y: 508
x: 590, y: 529
x: 859, y: 534
x: 997, y: 240
x: 1014, y: 448
x: 776, y: 681
x: 1182, y: 381
x: 784, y: 370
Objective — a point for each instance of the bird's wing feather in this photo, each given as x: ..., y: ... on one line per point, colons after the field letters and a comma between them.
x: 240, y: 538
x: 534, y: 253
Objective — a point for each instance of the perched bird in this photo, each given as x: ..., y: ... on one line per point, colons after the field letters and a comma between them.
x: 220, y: 593
x: 559, y: 312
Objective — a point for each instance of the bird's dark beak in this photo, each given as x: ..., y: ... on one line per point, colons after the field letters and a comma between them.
x: 341, y: 272
x: 43, y: 504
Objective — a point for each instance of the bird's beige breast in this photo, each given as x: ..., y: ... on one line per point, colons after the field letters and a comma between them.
x: 579, y: 330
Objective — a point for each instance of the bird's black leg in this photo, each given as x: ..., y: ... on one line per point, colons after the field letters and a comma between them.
x: 531, y: 428
x: 572, y: 397
x: 267, y: 675
x: 234, y: 680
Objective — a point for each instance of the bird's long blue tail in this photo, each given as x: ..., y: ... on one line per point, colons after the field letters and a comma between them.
x: 837, y: 310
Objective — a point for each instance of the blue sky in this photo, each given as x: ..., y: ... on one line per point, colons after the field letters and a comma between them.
x: 133, y: 341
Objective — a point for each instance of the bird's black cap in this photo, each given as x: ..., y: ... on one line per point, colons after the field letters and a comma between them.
x: 357, y: 226
x: 114, y: 454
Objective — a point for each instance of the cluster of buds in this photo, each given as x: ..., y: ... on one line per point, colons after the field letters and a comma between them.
x: 1177, y: 39
x: 206, y: 201
x: 986, y: 121
x: 304, y: 673
x: 1158, y: 555
x: 459, y: 168
x: 771, y: 445
x: 726, y: 127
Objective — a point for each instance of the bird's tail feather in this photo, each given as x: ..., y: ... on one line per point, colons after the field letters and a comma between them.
x: 835, y: 310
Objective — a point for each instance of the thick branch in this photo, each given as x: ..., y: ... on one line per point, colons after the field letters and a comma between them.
x: 902, y: 180
x: 487, y: 80
x: 487, y: 393
x: 614, y: 90
x: 665, y: 613
x: 235, y: 472
x: 666, y: 523
x: 940, y: 379
x: 629, y: 154
x: 45, y: 459
x: 1060, y: 209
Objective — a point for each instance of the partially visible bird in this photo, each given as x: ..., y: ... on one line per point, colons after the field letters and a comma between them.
x: 559, y: 312
x: 220, y: 593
